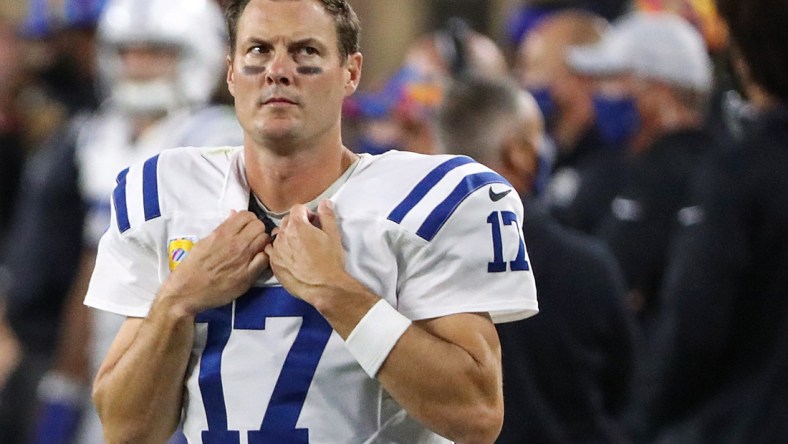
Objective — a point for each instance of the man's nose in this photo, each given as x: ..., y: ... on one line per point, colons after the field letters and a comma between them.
x: 281, y: 69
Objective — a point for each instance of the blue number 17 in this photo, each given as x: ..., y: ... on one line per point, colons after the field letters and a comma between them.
x: 499, y: 265
x: 287, y: 400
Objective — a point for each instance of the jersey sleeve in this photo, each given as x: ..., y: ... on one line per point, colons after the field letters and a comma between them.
x: 126, y: 276
x: 472, y: 256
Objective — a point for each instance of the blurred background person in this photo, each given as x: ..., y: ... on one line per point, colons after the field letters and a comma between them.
x: 159, y: 62
x: 567, y: 372
x: 53, y: 42
x: 653, y: 76
x: 726, y: 106
x: 48, y: 73
x: 563, y: 96
x: 61, y: 37
x: 46, y: 76
x: 721, y: 356
x: 401, y: 115
x: 587, y: 169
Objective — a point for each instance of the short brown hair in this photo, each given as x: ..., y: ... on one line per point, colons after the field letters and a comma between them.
x: 475, y: 114
x: 345, y: 21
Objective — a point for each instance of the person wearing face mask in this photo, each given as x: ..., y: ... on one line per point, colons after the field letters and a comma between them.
x: 45, y: 80
x: 563, y: 96
x: 567, y: 372
x: 586, y: 173
x: 653, y: 77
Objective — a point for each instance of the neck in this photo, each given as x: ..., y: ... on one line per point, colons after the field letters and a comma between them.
x: 520, y: 183
x: 521, y: 180
x: 281, y: 180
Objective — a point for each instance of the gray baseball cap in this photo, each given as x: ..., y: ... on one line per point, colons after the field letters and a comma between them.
x: 657, y: 45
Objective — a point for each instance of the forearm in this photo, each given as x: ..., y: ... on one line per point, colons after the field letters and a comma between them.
x: 455, y: 391
x: 138, y: 395
x: 71, y: 355
x: 62, y: 391
x: 453, y: 387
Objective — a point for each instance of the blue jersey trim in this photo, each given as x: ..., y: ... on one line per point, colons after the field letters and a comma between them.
x: 119, y: 198
x: 433, y: 223
x: 150, y: 188
x: 424, y: 187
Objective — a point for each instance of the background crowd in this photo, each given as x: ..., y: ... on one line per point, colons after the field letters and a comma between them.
x: 646, y: 138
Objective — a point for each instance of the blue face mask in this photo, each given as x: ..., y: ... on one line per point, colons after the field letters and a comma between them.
x: 545, y: 102
x: 616, y: 118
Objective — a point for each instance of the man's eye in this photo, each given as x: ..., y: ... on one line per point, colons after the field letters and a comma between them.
x: 308, y: 50
x: 258, y: 50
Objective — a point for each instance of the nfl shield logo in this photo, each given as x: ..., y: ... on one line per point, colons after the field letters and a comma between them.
x: 178, y: 249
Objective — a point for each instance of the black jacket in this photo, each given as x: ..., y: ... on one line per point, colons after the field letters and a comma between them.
x: 645, y: 213
x: 723, y: 339
x: 44, y: 243
x: 567, y: 371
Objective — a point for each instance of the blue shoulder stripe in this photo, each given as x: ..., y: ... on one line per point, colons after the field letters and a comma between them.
x: 433, y: 223
x: 119, y: 199
x: 150, y: 188
x: 424, y: 187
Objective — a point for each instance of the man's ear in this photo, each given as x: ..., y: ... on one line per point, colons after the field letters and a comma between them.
x: 230, y: 76
x: 353, y: 72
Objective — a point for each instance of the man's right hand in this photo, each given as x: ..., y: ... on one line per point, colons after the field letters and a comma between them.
x: 220, y: 267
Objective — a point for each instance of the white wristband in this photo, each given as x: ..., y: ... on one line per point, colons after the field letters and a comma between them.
x: 375, y: 335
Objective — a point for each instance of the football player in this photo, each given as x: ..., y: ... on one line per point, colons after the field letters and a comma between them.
x: 289, y: 290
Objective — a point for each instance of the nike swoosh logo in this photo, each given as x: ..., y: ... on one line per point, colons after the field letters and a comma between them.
x: 495, y: 197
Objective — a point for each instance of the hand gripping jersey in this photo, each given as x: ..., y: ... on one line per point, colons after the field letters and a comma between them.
x: 432, y: 235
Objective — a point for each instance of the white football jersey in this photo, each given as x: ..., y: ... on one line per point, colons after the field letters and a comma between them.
x: 106, y: 146
x: 432, y: 235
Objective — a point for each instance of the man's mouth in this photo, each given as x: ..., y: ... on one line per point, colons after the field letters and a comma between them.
x: 279, y: 101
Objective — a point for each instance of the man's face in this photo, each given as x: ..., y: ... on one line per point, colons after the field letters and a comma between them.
x: 146, y: 62
x: 147, y: 82
x: 539, y: 60
x: 286, y: 73
x: 563, y: 97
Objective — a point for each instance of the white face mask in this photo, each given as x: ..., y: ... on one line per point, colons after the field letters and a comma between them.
x: 146, y: 97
